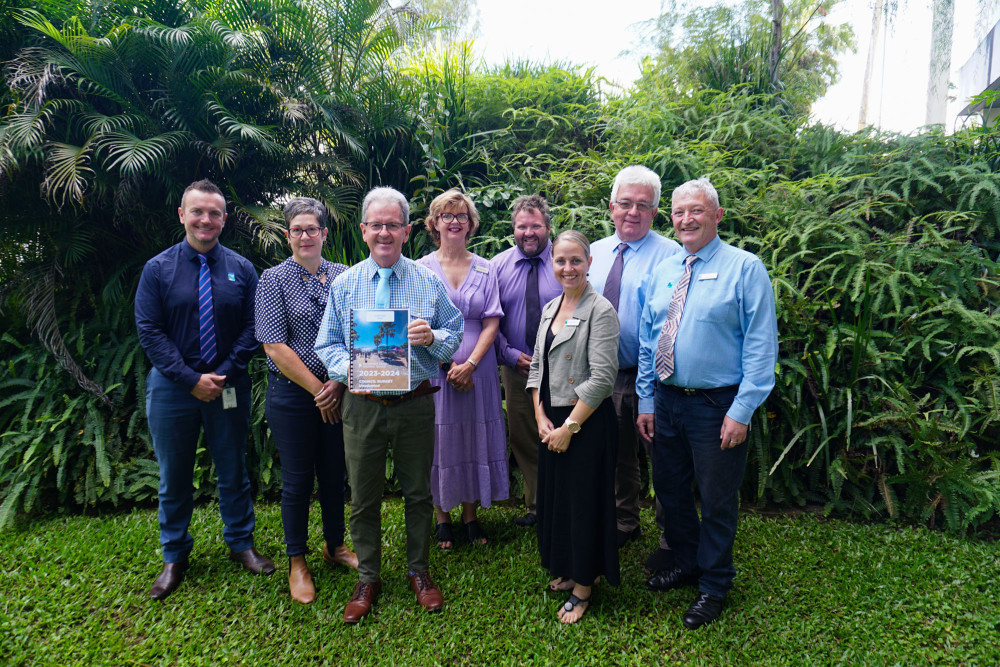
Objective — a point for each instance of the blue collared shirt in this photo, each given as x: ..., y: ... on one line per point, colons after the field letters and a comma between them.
x: 290, y: 306
x: 728, y: 333
x: 512, y: 267
x: 640, y: 258
x: 166, y: 312
x: 412, y: 286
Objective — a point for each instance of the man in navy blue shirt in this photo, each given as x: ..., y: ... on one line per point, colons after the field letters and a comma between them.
x: 194, y: 310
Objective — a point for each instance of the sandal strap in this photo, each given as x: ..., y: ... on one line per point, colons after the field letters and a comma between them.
x: 573, y: 601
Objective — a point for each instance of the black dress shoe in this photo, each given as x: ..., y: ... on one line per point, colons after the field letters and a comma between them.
x: 705, y: 609
x: 660, y: 560
x: 253, y: 561
x: 624, y: 536
x: 170, y: 578
x: 526, y: 521
x: 669, y: 579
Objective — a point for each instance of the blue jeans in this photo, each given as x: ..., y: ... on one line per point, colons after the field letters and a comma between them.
x: 309, y: 450
x: 175, y: 420
x: 686, y: 450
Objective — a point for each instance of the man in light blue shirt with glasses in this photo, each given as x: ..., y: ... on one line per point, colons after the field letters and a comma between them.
x: 403, y: 419
x: 623, y: 265
x: 708, y: 348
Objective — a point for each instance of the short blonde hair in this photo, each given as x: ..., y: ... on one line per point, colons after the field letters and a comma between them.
x: 451, y: 198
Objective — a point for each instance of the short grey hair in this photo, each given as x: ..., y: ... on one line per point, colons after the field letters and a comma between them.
x: 386, y: 194
x: 699, y: 185
x: 304, y: 206
x: 573, y: 236
x: 636, y: 174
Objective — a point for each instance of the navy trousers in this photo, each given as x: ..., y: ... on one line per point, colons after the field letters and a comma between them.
x: 309, y: 451
x: 687, y: 452
x: 175, y: 421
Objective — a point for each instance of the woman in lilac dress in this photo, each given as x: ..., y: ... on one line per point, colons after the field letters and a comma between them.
x: 470, y: 448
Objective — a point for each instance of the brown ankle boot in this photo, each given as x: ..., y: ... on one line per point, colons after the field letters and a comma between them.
x: 300, y: 582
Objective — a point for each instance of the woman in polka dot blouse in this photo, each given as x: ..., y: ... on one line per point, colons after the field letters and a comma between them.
x: 303, y: 404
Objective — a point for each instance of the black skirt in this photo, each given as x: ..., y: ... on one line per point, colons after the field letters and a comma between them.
x: 577, y: 528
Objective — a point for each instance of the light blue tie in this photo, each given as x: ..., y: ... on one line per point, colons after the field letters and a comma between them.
x: 382, y: 291
x: 206, y: 318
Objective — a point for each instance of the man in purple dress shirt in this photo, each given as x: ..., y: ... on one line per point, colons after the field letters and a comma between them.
x: 527, y: 283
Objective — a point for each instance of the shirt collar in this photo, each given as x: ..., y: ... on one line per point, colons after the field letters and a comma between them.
x: 546, y: 252
x: 299, y: 270
x: 189, y: 253
x: 398, y: 268
x: 634, y: 245
x: 708, y: 252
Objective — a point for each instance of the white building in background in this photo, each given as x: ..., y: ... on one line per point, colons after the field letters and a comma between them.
x: 981, y: 72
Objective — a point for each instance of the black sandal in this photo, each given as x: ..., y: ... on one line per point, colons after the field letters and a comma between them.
x: 475, y: 533
x: 444, y: 534
x: 572, y: 604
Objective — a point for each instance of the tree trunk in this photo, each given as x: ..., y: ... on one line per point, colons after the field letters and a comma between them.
x: 878, y: 14
x: 777, y: 15
x: 942, y: 27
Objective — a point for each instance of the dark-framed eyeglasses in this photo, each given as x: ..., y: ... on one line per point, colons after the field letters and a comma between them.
x: 311, y: 232
x: 449, y: 217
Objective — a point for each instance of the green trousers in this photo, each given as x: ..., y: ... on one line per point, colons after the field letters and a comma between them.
x: 369, y: 430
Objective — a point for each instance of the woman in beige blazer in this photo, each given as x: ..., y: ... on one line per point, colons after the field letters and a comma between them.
x: 572, y: 373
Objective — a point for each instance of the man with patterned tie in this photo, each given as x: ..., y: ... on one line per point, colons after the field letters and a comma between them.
x: 526, y: 280
x: 708, y: 347
x: 372, y: 421
x: 194, y: 309
x: 623, y: 266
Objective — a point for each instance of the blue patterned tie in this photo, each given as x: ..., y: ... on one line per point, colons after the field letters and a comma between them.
x: 382, y: 292
x: 206, y: 315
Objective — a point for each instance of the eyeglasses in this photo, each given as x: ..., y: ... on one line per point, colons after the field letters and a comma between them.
x: 311, y: 232
x: 627, y: 204
x: 448, y: 217
x: 377, y: 227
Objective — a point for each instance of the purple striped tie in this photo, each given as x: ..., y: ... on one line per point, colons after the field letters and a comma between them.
x: 206, y: 319
x: 668, y: 335
x: 613, y: 285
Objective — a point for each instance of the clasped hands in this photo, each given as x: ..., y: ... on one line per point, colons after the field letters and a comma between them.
x: 555, y: 438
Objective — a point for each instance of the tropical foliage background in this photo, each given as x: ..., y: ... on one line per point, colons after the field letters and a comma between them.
x: 882, y: 248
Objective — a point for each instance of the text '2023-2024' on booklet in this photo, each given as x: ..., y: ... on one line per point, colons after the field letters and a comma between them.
x: 379, y: 350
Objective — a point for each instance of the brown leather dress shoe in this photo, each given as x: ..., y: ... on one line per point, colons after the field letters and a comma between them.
x: 170, y: 578
x: 300, y: 582
x: 253, y: 561
x: 428, y: 595
x: 341, y: 556
x: 364, y: 596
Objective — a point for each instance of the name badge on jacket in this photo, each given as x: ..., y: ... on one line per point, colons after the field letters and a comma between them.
x: 573, y: 322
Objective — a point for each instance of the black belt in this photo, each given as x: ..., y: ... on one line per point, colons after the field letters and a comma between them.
x: 691, y: 392
x: 423, y: 389
x: 629, y: 371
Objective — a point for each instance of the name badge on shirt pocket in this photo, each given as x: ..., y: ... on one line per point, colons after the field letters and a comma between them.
x: 708, y: 276
x: 573, y: 322
x: 481, y: 269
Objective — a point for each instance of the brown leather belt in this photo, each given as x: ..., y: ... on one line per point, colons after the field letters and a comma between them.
x: 423, y: 389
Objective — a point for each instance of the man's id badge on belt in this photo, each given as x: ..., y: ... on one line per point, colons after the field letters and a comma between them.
x: 228, y: 398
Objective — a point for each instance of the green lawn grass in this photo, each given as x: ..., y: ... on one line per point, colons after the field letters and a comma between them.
x: 809, y: 591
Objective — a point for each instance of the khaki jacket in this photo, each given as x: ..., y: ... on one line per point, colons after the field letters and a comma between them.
x: 583, y: 359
